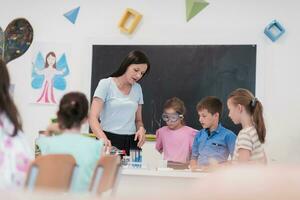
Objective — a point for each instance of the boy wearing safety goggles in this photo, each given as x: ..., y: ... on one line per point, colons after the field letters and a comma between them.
x: 175, y: 139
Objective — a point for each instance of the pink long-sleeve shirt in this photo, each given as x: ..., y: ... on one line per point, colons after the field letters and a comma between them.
x: 176, y: 145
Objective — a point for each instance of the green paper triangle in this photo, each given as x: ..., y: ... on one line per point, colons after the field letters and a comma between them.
x: 193, y: 7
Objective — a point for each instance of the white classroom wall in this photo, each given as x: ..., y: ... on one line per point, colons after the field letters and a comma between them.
x: 163, y: 22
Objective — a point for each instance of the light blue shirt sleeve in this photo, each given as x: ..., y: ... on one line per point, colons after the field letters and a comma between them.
x: 230, y: 141
x: 102, y: 89
x: 141, y: 99
x: 195, y: 147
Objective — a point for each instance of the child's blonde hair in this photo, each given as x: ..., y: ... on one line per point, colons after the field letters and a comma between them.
x: 253, y: 107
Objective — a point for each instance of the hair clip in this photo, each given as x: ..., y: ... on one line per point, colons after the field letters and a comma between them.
x: 253, y: 102
x: 73, y: 103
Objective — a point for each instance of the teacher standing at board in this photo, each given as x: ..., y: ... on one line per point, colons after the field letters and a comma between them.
x: 117, y: 104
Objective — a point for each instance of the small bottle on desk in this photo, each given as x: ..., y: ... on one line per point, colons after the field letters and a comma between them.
x: 115, y: 151
x: 136, y: 157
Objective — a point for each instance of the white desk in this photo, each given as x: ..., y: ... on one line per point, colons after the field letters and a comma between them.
x: 143, y: 182
x: 147, y: 183
x: 162, y: 173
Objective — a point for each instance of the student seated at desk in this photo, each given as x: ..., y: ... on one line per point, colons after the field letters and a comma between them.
x: 72, y: 113
x: 15, y: 152
x: 213, y: 143
x: 175, y: 140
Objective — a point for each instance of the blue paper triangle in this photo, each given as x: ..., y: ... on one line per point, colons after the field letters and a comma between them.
x: 72, y: 15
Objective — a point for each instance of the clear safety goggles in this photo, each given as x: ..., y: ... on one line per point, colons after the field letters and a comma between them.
x: 171, y: 117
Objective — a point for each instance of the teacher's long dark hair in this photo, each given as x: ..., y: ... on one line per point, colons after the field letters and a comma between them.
x: 7, y: 105
x: 134, y: 57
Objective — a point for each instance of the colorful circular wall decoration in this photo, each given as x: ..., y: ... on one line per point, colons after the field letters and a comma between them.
x: 16, y: 39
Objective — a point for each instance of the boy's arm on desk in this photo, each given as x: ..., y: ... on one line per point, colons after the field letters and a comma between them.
x: 193, y: 164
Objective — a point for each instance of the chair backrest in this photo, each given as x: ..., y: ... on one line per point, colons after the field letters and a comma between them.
x: 106, y: 174
x: 51, y: 172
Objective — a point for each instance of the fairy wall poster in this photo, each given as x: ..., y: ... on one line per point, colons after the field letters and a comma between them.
x: 48, y: 78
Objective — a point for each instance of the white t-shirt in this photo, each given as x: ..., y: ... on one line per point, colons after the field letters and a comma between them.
x: 248, y: 139
x: 118, y: 114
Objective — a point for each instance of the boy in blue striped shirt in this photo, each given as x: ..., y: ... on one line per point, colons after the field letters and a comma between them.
x: 213, y: 143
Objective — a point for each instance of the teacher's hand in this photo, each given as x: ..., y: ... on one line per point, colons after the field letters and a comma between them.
x: 106, y: 143
x: 140, y: 135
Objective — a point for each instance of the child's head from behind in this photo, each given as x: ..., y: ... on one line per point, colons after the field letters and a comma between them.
x: 73, y: 110
x: 174, y: 111
x: 209, y: 110
x: 242, y: 106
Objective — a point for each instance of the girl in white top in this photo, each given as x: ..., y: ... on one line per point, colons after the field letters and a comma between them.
x: 15, y: 154
x: 247, y: 110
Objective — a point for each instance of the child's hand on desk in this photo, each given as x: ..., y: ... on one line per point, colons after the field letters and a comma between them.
x: 193, y: 165
x: 214, y: 166
x: 194, y: 169
x: 202, y: 168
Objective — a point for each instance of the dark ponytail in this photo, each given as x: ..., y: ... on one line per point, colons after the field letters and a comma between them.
x: 73, y: 109
x: 253, y: 106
